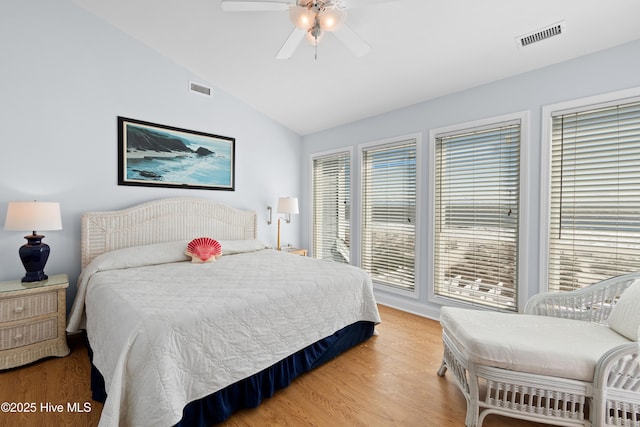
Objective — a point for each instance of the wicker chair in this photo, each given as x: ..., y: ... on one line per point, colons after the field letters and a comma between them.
x: 506, y: 363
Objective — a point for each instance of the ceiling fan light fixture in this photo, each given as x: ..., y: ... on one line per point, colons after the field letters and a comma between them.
x: 302, y: 17
x: 312, y: 18
x: 314, y: 35
x: 331, y: 19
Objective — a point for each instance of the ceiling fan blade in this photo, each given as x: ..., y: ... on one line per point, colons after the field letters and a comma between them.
x: 254, y: 6
x: 352, y: 40
x: 292, y: 43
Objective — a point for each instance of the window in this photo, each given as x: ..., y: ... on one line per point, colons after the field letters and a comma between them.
x: 331, y: 183
x: 594, y: 226
x: 389, y: 212
x: 477, y: 201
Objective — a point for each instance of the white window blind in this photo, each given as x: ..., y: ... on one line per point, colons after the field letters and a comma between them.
x: 477, y: 193
x: 595, y: 195
x: 331, y: 183
x: 388, y: 213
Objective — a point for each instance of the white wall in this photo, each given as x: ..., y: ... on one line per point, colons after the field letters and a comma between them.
x: 606, y: 71
x: 64, y: 78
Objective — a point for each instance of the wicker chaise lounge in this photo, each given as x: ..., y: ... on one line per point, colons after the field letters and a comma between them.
x: 571, y: 359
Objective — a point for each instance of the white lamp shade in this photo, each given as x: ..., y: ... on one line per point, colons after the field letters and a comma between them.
x: 331, y: 19
x: 288, y: 205
x: 32, y: 216
x: 302, y: 17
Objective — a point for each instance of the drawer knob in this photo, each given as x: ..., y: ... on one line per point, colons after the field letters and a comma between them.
x: 18, y: 337
x: 19, y: 309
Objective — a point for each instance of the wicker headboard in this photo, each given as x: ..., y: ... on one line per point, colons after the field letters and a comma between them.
x: 163, y: 220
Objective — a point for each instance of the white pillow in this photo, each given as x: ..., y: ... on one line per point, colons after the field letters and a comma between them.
x: 233, y: 247
x: 625, y: 316
x: 161, y: 253
x: 137, y: 256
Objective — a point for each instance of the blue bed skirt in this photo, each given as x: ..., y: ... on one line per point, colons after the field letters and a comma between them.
x: 249, y: 392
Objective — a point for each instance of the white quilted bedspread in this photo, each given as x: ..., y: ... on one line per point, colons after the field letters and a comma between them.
x: 167, y: 334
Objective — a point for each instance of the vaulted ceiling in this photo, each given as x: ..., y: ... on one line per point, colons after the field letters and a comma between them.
x: 419, y: 49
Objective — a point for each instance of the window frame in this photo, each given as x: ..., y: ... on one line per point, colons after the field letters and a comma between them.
x: 523, y: 203
x: 546, y: 146
x: 416, y: 291
x: 337, y: 152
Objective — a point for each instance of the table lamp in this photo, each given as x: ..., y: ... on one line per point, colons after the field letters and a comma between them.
x: 287, y: 206
x: 25, y: 216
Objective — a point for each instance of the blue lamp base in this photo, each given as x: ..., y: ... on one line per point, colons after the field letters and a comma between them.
x: 34, y: 255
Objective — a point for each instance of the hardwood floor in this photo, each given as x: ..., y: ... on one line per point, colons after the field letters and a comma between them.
x: 390, y: 380
x: 36, y: 390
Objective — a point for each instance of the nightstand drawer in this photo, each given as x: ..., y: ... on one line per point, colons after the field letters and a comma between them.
x: 28, y: 306
x: 29, y: 333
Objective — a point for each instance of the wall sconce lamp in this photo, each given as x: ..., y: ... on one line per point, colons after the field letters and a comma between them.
x: 25, y: 216
x: 287, y: 206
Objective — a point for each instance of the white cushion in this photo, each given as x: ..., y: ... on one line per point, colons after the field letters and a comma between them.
x: 528, y: 343
x: 625, y: 316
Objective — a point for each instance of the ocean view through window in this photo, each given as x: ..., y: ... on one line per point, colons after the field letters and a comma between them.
x: 389, y: 212
x: 594, y: 227
x: 477, y: 214
x: 331, y: 195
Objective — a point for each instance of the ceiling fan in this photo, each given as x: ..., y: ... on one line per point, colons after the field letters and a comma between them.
x: 312, y: 18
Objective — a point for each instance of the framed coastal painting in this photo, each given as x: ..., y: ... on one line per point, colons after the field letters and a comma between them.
x: 155, y: 155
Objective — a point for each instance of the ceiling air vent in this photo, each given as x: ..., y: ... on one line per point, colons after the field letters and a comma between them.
x: 199, y: 89
x: 543, y: 34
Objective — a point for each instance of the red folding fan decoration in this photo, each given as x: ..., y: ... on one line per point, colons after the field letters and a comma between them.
x: 204, y: 249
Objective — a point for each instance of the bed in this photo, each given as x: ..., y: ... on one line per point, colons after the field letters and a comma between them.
x: 179, y: 343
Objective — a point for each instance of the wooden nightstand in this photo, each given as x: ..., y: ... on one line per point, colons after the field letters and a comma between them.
x: 32, y: 320
x: 295, y: 251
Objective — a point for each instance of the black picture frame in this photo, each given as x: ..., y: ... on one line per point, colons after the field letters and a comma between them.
x: 154, y: 155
